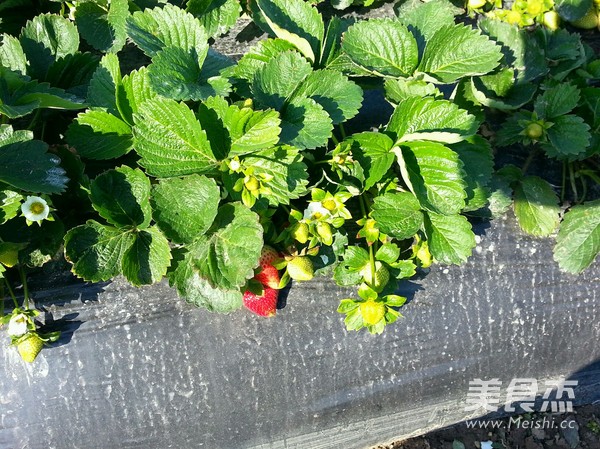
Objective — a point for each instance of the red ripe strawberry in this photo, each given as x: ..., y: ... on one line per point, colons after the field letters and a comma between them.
x: 269, y: 277
x: 263, y: 305
x: 268, y: 257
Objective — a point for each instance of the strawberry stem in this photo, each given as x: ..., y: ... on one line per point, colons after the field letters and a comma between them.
x: 12, y: 294
x: 573, y: 182
x: 25, y: 289
x: 363, y: 209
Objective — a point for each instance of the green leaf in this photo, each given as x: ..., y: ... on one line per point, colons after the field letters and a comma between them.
x: 590, y: 102
x: 500, y: 198
x: 450, y: 237
x: 428, y: 17
x: 436, y: 176
x: 478, y: 165
x: 12, y: 55
x: 399, y: 90
x: 561, y: 46
x: 19, y: 98
x: 8, y: 135
x: 196, y: 289
x: 96, y: 251
x: 104, y: 84
x: 569, y: 137
x: 536, y: 206
x: 170, y: 140
x: 279, y: 79
x: 167, y: 26
x: 397, y: 214
x: 28, y: 166
x: 284, y: 164
x: 572, y: 9
x: 305, y: 124
x: 227, y: 255
x: 41, y: 242
x: 73, y: 73
x: 558, y: 100
x: 185, y: 208
x: 457, y: 51
x: 45, y: 39
x: 217, y: 17
x: 96, y: 134
x: 103, y: 27
x: 578, y: 241
x: 521, y: 51
x: 373, y: 151
x: 332, y: 45
x: 248, y: 131
x: 147, y: 259
x: 175, y: 73
x: 348, y: 305
x: 339, y: 96
x: 295, y: 21
x: 517, y: 96
x: 136, y: 88
x: 10, y: 203
x: 430, y: 119
x: 388, y: 253
x: 382, y: 46
x: 252, y: 61
x: 122, y: 197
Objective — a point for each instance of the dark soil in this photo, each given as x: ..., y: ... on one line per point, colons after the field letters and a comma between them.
x: 577, y: 430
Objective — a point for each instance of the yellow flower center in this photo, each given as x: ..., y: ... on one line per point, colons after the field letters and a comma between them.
x: 37, y: 208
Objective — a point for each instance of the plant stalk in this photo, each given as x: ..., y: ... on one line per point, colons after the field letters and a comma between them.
x: 25, y: 289
x: 12, y: 294
x: 573, y: 182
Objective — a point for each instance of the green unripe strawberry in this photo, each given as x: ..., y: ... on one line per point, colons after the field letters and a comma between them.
x: 252, y: 184
x: 30, y: 346
x: 300, y: 232
x: 514, y: 17
x: 379, y: 280
x: 587, y: 22
x: 424, y: 256
x: 329, y: 204
x: 372, y: 312
x: 324, y: 231
x: 476, y: 4
x: 551, y: 19
x: 534, y: 131
x: 301, y: 268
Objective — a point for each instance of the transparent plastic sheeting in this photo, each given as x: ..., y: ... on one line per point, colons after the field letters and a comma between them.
x: 143, y: 369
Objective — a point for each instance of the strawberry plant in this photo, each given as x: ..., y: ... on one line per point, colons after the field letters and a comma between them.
x: 550, y: 107
x: 232, y: 178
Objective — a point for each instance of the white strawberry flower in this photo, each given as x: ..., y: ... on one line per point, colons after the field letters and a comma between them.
x: 17, y: 325
x: 35, y: 209
x: 316, y: 211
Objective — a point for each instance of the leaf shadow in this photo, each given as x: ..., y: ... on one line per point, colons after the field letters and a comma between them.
x: 66, y: 325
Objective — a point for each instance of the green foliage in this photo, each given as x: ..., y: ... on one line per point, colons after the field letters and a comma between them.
x: 103, y: 26
x: 26, y: 164
x: 188, y: 165
x: 578, y: 241
x: 388, y: 48
x: 128, y: 245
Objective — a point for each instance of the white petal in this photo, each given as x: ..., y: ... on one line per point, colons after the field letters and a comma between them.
x: 17, y: 325
x: 29, y: 214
